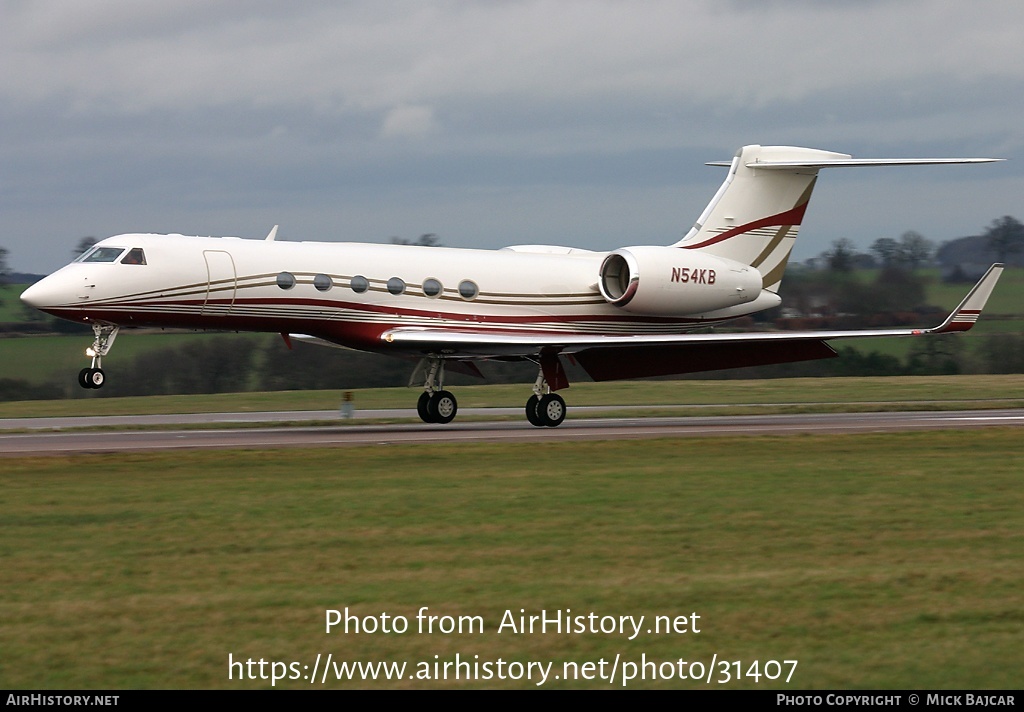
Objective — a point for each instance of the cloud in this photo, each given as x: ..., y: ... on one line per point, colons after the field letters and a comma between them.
x: 408, y: 121
x: 128, y: 107
x: 342, y: 57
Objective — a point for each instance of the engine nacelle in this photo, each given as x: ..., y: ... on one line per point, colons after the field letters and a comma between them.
x: 669, y: 281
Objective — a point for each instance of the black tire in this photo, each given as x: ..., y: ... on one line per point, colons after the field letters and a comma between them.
x: 83, y: 378
x: 423, y: 409
x: 533, y: 412
x: 442, y: 407
x: 552, y: 410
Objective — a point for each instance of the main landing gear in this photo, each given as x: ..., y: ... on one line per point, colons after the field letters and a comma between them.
x: 545, y: 408
x: 93, y: 377
x: 436, y: 405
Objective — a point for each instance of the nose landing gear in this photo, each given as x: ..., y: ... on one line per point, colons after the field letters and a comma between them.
x: 94, y: 377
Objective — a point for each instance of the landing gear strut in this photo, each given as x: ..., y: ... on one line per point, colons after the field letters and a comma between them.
x: 545, y: 408
x: 435, y: 404
x: 94, y: 377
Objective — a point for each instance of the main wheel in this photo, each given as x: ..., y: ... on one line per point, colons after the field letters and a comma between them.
x: 423, y: 409
x: 442, y: 407
x: 533, y: 412
x: 552, y: 410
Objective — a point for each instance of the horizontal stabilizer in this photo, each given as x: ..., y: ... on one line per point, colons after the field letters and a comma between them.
x: 855, y: 162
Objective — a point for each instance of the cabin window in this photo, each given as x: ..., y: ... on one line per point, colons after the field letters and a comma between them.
x: 322, y: 282
x: 135, y: 256
x: 396, y: 285
x: 103, y: 254
x: 286, y: 280
x: 359, y: 284
x: 468, y: 289
x: 432, y: 287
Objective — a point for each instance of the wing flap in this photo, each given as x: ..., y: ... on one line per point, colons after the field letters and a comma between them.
x: 610, y: 364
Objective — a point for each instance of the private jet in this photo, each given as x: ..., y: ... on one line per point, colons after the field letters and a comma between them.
x: 628, y: 313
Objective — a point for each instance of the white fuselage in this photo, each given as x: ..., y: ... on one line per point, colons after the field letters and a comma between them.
x: 347, y: 293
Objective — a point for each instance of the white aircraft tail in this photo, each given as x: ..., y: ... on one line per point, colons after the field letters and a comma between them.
x: 754, y: 217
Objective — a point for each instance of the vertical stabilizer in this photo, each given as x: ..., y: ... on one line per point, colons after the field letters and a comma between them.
x: 754, y: 217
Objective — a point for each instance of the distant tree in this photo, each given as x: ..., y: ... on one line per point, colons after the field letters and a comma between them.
x: 896, y: 289
x: 914, y: 249
x: 935, y: 356
x: 909, y: 252
x: 886, y: 251
x: 428, y: 239
x: 218, y: 364
x: 1002, y: 353
x: 83, y: 246
x: 864, y: 260
x: 1005, y: 236
x: 5, y: 271
x: 840, y: 257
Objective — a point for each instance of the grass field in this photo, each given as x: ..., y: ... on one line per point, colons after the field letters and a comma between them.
x: 10, y: 304
x: 1006, y: 299
x: 875, y: 561
x: 40, y: 358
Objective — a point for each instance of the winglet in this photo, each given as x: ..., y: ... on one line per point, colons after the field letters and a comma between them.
x: 272, y: 235
x: 963, y: 317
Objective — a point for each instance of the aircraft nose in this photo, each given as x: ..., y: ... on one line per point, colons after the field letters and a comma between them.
x: 47, y: 292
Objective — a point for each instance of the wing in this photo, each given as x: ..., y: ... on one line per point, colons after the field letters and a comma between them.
x: 611, y: 357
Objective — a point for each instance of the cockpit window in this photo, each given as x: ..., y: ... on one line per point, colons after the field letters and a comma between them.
x: 135, y: 256
x: 103, y: 254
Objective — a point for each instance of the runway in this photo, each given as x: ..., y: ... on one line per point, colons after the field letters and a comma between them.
x: 48, y: 442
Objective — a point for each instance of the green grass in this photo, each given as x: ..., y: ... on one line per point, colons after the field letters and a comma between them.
x: 876, y: 561
x: 10, y: 304
x: 1006, y: 299
x: 40, y: 358
x: 1004, y: 312
x: 969, y: 343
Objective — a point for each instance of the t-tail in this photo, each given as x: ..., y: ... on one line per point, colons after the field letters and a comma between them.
x: 754, y: 217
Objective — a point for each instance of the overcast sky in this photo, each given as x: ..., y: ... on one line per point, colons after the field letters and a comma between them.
x: 583, y: 123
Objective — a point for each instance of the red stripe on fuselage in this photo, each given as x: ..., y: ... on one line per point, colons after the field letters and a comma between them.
x: 105, y: 312
x: 363, y: 335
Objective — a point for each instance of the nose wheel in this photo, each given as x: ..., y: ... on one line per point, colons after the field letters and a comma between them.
x: 91, y: 378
